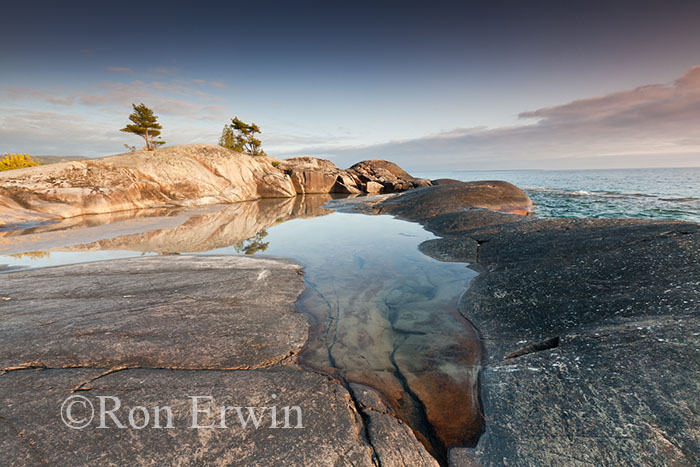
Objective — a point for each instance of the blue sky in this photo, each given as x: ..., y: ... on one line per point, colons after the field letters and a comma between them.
x: 466, y: 85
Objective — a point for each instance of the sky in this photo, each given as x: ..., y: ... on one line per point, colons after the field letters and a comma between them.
x: 499, y: 84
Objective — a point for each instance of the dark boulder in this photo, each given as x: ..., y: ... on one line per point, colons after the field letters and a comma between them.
x: 456, y: 197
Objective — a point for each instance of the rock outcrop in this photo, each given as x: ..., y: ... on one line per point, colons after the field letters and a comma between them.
x: 155, y: 331
x: 458, y: 196
x: 591, y: 329
x: 191, y: 175
x: 376, y: 172
x: 173, y: 176
x: 312, y: 175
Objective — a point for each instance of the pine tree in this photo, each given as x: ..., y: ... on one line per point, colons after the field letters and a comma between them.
x: 240, y: 136
x: 145, y: 124
x: 228, y: 139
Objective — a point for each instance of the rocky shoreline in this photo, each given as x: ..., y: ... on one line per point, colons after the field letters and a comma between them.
x: 153, y: 332
x: 590, y: 331
x: 190, y: 175
x: 590, y: 327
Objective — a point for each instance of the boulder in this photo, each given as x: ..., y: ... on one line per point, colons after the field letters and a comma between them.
x: 276, y: 185
x: 390, y: 176
x: 458, y: 196
x: 374, y: 169
x: 373, y: 187
x: 313, y: 175
x: 345, y: 184
x: 307, y: 163
x: 312, y: 181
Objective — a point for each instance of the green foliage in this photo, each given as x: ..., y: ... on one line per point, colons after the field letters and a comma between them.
x: 253, y: 245
x: 228, y: 140
x: 275, y: 163
x: 16, y: 161
x: 145, y: 124
x: 240, y: 137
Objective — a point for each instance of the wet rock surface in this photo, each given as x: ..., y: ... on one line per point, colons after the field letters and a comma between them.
x: 154, y: 331
x: 600, y: 319
x: 393, y: 440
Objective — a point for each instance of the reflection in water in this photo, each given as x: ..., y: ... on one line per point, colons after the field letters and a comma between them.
x: 159, y: 231
x: 36, y: 255
x: 84, y: 222
x: 241, y: 226
x: 384, y: 313
x: 253, y: 245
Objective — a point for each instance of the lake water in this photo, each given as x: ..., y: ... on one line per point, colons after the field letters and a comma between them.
x: 641, y: 193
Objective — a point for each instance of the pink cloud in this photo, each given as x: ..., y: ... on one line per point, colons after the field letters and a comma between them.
x: 657, y: 119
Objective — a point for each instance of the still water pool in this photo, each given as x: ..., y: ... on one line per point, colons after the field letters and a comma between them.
x: 383, y: 313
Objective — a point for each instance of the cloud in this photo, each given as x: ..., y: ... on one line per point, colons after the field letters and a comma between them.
x: 164, y: 97
x: 88, y: 120
x: 653, y: 125
x: 646, y: 125
x: 52, y: 133
x: 40, y: 94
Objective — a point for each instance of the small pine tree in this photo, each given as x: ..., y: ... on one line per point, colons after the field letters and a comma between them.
x: 228, y: 140
x: 240, y: 136
x: 145, y: 124
x: 16, y: 161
